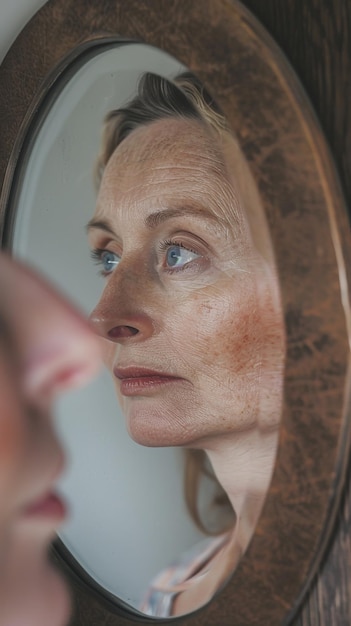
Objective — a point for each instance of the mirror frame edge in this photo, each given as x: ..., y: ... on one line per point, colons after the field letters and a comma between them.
x: 235, y: 14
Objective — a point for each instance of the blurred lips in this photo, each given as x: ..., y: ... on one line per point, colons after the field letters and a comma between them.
x: 140, y: 380
x: 50, y: 507
x: 44, y: 503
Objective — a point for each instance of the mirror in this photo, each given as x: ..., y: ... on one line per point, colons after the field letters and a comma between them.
x: 111, y: 478
x: 287, y: 194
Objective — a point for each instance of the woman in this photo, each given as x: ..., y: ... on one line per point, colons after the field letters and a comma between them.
x: 45, y: 348
x: 190, y: 313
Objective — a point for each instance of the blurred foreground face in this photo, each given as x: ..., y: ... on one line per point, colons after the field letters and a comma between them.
x: 45, y: 348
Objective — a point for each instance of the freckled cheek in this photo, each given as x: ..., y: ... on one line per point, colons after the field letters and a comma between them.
x: 250, y: 338
x: 225, y: 332
x: 243, y: 339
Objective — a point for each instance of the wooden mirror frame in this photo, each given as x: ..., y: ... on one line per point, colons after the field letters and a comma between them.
x: 232, y: 54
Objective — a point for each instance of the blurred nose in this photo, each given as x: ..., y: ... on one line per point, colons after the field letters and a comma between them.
x: 56, y: 348
x: 122, y: 316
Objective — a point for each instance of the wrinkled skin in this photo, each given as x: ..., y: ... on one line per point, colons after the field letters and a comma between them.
x: 215, y: 322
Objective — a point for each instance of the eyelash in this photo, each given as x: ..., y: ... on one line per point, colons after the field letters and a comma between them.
x: 96, y: 256
x: 163, y: 246
x: 168, y: 243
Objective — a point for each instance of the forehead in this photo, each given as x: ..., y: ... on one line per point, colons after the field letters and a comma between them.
x: 169, y: 139
x: 164, y: 158
x: 176, y: 162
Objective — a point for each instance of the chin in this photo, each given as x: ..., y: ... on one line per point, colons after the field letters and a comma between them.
x: 37, y: 596
x: 155, y: 429
x: 148, y: 435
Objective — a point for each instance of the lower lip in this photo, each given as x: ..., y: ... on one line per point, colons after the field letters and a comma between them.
x: 144, y: 384
x: 51, y: 508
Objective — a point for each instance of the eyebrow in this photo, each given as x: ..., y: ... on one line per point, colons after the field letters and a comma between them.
x: 101, y: 225
x: 159, y: 217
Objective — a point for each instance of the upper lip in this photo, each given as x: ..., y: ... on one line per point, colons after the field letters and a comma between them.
x: 140, y: 372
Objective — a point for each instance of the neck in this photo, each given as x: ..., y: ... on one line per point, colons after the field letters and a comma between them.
x: 243, y: 463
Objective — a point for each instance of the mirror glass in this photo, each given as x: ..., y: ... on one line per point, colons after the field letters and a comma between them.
x: 158, y: 523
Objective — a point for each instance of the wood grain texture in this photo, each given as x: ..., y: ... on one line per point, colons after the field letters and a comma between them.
x: 315, y: 35
x: 290, y: 161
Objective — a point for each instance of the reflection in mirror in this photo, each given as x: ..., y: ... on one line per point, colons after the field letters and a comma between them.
x: 189, y: 311
x: 190, y: 314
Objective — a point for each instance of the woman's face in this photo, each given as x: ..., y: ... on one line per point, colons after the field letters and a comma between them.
x: 189, y: 313
x: 45, y: 348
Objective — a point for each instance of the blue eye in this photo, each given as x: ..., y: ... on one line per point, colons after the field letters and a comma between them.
x: 107, y: 259
x: 178, y: 256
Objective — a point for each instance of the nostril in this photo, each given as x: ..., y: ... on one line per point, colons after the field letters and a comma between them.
x: 118, y: 332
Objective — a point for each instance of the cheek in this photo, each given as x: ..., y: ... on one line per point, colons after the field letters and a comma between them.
x: 237, y: 350
x: 232, y: 331
x: 251, y: 333
x: 225, y: 329
x: 108, y: 349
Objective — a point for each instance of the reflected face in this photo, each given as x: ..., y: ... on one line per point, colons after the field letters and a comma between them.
x: 189, y: 312
x: 44, y: 348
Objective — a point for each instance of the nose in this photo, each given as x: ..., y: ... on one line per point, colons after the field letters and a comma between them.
x: 121, y: 315
x: 56, y: 348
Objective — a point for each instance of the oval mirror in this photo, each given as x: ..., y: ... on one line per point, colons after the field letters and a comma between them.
x: 130, y: 520
x: 111, y: 478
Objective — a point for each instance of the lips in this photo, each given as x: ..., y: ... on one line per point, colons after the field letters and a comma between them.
x: 50, y: 506
x: 42, y: 501
x: 141, y: 380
